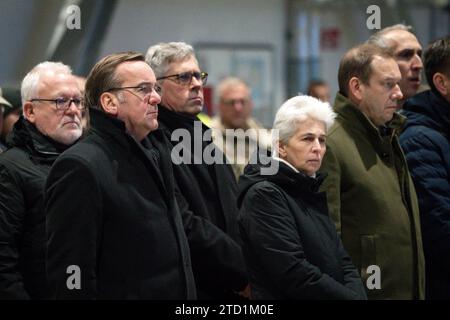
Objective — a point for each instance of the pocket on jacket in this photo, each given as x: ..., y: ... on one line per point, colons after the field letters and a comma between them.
x: 368, y: 254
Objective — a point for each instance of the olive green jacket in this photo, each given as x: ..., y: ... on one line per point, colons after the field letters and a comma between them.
x: 372, y: 200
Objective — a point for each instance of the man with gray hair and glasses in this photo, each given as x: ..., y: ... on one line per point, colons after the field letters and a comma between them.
x: 51, y: 122
x: 407, y: 53
x: 209, y: 189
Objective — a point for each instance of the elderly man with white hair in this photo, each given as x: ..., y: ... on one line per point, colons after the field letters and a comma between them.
x: 51, y: 122
x: 290, y: 243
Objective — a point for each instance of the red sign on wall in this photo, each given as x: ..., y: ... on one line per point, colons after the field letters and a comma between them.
x: 208, y: 103
x: 329, y: 38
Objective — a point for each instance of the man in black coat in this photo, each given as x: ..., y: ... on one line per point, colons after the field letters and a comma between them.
x: 209, y: 187
x: 114, y: 227
x: 51, y: 121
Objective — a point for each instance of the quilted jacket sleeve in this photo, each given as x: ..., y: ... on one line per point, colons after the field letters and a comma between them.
x: 426, y: 153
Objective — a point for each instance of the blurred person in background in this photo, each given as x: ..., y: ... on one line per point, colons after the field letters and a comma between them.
x: 235, y: 107
x: 85, y: 120
x: 11, y: 115
x: 5, y: 106
x: 319, y: 89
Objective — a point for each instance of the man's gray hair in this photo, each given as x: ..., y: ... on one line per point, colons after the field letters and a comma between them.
x: 162, y: 54
x: 379, y: 38
x: 297, y: 110
x: 31, y: 81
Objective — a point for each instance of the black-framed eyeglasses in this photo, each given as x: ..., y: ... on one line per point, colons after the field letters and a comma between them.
x: 63, y: 103
x: 185, y: 78
x: 143, y: 90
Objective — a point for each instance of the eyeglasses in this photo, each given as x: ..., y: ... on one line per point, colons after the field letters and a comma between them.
x: 143, y: 90
x: 185, y: 78
x: 232, y: 102
x: 63, y: 103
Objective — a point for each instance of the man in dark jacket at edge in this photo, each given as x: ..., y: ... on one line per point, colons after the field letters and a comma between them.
x: 209, y: 189
x: 124, y: 238
x: 51, y: 122
x: 426, y: 143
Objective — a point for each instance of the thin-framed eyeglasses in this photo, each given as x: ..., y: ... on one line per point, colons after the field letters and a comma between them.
x: 232, y: 102
x: 63, y: 103
x: 143, y: 90
x: 185, y: 78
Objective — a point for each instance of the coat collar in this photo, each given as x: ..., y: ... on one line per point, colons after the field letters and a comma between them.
x: 287, y: 175
x: 114, y: 130
x: 111, y: 128
x: 175, y: 120
x: 351, y: 114
x: 106, y: 125
x: 26, y: 135
x: 428, y: 108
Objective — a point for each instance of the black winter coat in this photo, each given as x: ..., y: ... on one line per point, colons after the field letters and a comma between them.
x: 111, y: 211
x: 23, y: 170
x: 426, y: 144
x: 210, y: 193
x: 290, y: 243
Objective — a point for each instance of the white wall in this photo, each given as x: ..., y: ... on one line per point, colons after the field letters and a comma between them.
x: 137, y: 24
x: 352, y: 32
x: 15, y: 23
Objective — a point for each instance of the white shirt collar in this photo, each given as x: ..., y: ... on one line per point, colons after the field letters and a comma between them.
x: 287, y: 163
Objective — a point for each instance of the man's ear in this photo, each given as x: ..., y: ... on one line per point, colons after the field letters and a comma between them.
x: 355, y: 89
x: 28, y: 112
x: 440, y: 81
x: 109, y: 103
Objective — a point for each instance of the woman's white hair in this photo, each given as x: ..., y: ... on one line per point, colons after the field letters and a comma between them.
x: 30, y: 83
x: 162, y: 54
x: 295, y: 111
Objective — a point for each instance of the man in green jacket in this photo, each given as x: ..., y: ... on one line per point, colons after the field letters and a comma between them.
x: 370, y: 193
